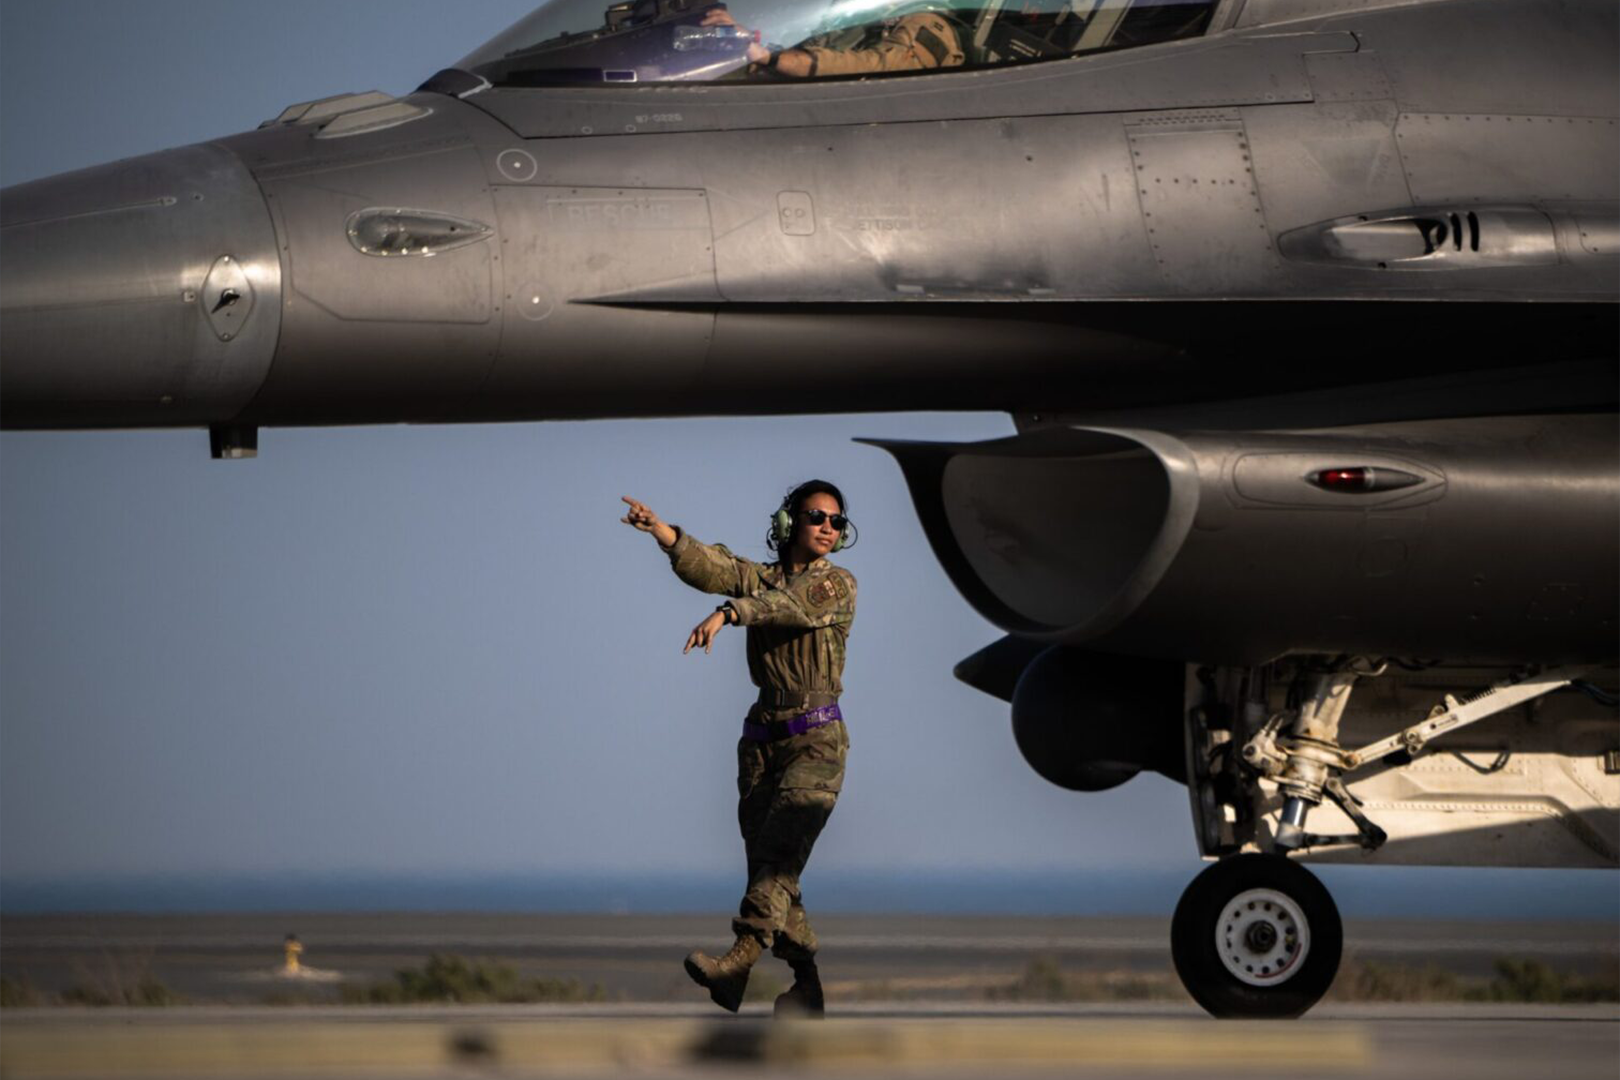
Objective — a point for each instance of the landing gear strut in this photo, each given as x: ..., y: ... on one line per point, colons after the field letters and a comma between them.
x: 1256, y: 936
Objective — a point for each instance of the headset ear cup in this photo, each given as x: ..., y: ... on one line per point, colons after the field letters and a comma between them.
x: 782, y: 526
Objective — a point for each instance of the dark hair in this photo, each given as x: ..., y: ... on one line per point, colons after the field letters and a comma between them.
x: 795, y: 500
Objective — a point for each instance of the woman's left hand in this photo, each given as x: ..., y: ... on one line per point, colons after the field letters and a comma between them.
x: 705, y: 632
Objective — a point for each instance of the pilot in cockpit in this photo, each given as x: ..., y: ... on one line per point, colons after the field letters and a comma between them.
x: 686, y: 41
x: 916, y: 42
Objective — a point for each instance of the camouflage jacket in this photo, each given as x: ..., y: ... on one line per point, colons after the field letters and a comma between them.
x: 797, y: 626
x: 911, y: 43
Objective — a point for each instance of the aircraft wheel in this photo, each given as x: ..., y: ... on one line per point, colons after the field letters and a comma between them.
x: 1256, y: 936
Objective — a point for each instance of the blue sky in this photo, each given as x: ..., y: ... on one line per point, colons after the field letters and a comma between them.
x: 435, y: 651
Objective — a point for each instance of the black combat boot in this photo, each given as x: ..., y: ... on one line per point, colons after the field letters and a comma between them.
x: 803, y: 1000
x: 725, y: 978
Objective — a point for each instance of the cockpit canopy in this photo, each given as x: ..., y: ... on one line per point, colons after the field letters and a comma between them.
x: 587, y: 42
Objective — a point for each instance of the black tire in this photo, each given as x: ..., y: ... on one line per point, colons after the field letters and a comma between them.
x: 1203, y: 908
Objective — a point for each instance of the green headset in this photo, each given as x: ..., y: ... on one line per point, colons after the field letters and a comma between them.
x: 782, y: 520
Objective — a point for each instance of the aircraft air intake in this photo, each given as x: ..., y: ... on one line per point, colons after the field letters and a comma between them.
x: 1483, y: 540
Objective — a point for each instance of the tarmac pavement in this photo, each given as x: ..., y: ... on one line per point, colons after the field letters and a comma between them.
x: 1389, y: 1042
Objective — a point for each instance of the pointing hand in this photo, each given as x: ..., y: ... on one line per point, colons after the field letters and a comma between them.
x: 642, y: 518
x: 705, y: 632
x: 640, y: 515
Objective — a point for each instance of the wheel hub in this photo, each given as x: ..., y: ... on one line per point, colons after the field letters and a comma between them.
x: 1262, y: 937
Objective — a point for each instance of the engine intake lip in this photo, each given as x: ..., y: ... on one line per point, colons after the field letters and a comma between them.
x: 1085, y: 561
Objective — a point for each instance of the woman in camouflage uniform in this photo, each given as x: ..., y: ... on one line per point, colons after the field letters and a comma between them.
x: 790, y: 759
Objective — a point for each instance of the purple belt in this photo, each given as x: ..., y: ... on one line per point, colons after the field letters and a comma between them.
x: 786, y: 729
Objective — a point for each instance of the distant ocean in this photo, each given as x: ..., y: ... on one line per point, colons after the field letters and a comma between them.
x: 1362, y: 892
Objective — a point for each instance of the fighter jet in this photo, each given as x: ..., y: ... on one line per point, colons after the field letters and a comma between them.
x: 1305, y: 311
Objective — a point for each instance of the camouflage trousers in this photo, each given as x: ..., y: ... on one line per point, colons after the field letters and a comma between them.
x: 786, y: 792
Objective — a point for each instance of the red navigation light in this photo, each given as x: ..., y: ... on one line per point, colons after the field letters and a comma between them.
x: 1354, y: 479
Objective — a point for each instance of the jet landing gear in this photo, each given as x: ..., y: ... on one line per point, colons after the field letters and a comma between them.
x: 1256, y: 936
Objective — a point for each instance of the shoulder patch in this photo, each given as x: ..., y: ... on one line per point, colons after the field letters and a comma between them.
x: 830, y: 588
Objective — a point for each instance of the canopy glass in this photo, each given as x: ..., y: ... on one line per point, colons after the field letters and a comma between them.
x: 584, y: 42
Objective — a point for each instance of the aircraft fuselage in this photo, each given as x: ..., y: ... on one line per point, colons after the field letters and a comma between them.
x: 1046, y: 237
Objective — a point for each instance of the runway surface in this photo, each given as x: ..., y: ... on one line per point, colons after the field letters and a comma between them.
x: 909, y: 996
x: 1481, y: 1042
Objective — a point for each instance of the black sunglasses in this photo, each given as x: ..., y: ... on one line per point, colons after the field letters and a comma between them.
x: 816, y: 517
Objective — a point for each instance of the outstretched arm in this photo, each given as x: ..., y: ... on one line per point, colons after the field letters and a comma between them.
x: 703, y: 566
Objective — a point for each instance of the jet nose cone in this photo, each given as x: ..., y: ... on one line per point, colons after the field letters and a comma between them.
x: 147, y: 291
